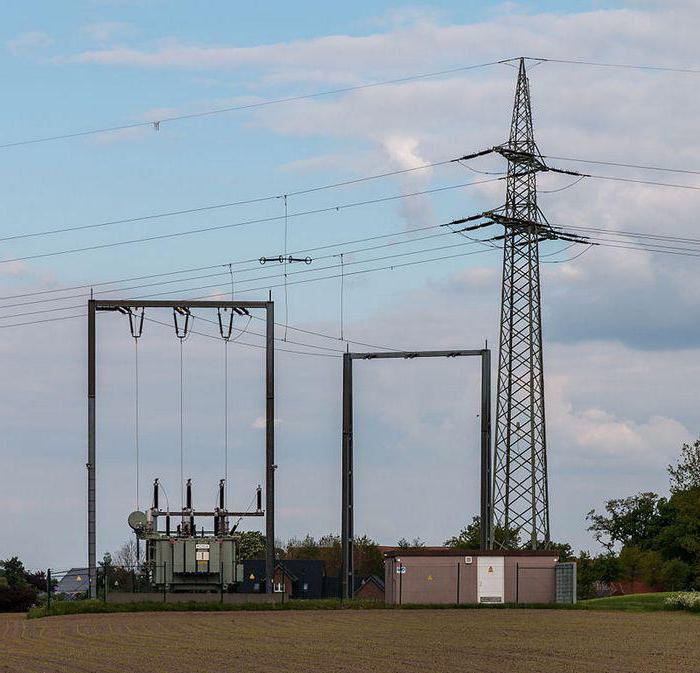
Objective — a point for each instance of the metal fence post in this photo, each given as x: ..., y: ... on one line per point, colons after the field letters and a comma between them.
x: 517, y: 583
x: 48, y: 590
x: 458, y: 569
x: 165, y: 580
x: 221, y: 585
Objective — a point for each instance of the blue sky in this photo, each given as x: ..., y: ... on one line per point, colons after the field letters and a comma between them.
x: 618, y: 324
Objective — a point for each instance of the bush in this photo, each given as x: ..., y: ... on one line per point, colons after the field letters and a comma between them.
x: 17, y: 598
x: 687, y: 600
x: 675, y: 575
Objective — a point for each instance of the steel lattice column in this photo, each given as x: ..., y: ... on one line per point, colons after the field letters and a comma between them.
x: 520, y: 470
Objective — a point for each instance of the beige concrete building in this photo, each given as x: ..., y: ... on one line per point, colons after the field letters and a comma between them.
x: 463, y: 576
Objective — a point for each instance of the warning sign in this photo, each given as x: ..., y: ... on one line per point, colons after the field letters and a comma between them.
x: 430, y: 578
x: 490, y: 569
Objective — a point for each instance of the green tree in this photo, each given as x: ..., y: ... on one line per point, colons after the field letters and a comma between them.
x: 415, y: 543
x: 307, y: 548
x: 631, y: 521
x: 470, y: 536
x: 675, y: 575
x: 686, y: 473
x: 632, y: 560
x: 368, y: 560
x: 564, y: 549
x: 251, y: 545
x: 14, y: 572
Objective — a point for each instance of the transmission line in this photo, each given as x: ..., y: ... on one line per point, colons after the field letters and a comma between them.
x: 263, y: 220
x: 156, y: 123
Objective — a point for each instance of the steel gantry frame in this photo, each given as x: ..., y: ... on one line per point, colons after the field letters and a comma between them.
x: 347, y: 505
x: 94, y: 306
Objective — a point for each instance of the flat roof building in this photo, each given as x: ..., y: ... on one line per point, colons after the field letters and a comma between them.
x: 462, y: 576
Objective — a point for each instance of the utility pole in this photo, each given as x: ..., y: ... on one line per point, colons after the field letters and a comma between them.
x: 520, y: 492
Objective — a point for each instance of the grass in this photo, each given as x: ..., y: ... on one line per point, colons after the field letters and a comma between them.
x: 653, y: 602
x: 632, y: 603
x: 60, y: 608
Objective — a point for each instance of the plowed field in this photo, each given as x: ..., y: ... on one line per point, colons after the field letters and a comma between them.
x: 502, y: 641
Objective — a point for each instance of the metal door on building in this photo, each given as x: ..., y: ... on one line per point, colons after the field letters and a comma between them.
x: 490, y: 579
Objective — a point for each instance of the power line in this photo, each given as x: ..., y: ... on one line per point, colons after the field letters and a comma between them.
x: 244, y: 270
x: 258, y: 278
x: 297, y: 282
x: 630, y: 66
x: 263, y: 220
x: 156, y: 123
x: 219, y: 206
x: 623, y: 165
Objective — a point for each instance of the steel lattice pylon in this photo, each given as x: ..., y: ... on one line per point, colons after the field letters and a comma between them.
x: 520, y: 493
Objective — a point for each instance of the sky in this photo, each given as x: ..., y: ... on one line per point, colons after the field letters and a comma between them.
x: 622, y: 349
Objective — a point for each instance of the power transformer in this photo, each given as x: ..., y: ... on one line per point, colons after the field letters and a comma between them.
x: 188, y: 559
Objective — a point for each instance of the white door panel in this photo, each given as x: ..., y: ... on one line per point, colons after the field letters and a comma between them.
x: 490, y: 578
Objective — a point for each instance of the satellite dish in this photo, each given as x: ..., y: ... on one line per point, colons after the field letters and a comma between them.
x: 138, y: 520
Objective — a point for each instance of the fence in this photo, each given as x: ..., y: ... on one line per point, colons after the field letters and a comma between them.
x: 124, y: 584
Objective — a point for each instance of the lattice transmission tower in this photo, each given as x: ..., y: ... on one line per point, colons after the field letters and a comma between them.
x: 520, y: 498
x: 520, y: 490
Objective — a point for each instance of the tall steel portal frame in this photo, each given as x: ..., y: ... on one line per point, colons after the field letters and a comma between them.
x: 348, y: 506
x: 94, y: 306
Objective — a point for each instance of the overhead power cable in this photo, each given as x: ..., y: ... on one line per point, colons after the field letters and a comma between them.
x: 157, y: 123
x: 601, y: 64
x: 217, y: 274
x: 262, y: 220
x: 299, y: 282
x: 620, y: 164
x: 219, y: 206
x: 263, y: 277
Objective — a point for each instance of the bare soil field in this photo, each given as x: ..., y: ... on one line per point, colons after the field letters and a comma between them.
x: 479, y: 641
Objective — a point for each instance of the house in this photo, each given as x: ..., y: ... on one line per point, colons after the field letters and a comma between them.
x: 298, y: 578
x: 370, y: 588
x: 74, y: 583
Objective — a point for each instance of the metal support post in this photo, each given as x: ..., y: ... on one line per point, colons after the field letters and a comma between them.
x: 486, y: 462
x: 270, y: 447
x: 91, y: 523
x: 347, y: 515
x: 347, y: 504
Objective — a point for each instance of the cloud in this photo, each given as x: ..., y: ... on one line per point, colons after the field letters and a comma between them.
x: 29, y: 43
x: 106, y: 31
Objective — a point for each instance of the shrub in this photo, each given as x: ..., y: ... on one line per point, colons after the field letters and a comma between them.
x: 17, y: 598
x: 686, y: 600
x: 675, y: 575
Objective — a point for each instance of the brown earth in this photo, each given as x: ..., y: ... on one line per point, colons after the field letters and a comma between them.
x: 502, y: 641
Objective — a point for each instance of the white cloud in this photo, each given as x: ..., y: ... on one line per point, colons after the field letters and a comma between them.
x: 106, y: 31
x: 29, y: 43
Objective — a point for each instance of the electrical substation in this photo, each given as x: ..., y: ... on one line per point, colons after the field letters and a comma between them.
x: 186, y: 556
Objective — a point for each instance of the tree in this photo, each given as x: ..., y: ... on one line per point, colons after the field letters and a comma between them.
x: 367, y: 558
x: 307, y: 548
x: 14, y: 572
x: 631, y: 563
x: 566, y: 553
x: 126, y: 555
x: 470, y: 536
x: 675, y: 575
x: 686, y: 474
x: 251, y: 545
x: 629, y: 521
x: 415, y: 543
